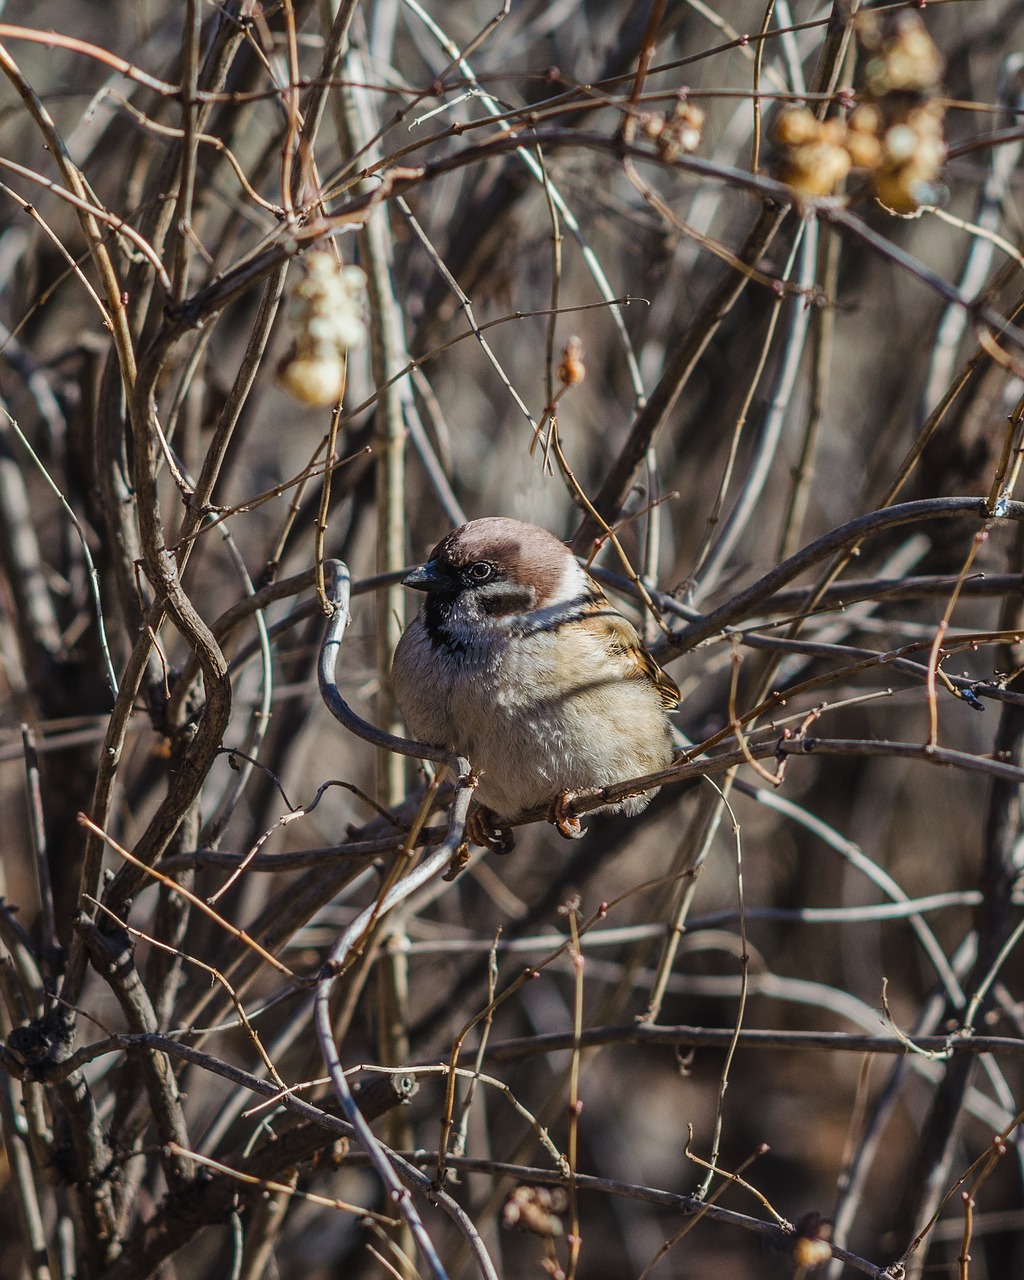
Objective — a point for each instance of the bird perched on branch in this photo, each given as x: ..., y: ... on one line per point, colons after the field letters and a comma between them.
x: 518, y: 662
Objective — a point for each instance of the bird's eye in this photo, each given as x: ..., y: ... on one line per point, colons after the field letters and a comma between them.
x: 481, y: 571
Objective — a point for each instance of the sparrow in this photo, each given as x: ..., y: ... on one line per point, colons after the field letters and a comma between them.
x: 518, y: 662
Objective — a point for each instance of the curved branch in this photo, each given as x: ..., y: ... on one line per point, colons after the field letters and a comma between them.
x: 743, y: 604
x: 354, y: 937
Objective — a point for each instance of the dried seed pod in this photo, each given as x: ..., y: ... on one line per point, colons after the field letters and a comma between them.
x: 833, y: 132
x: 862, y: 141
x: 815, y: 168
x: 814, y: 159
x: 903, y: 56
x: 327, y: 310
x: 865, y: 119
x: 796, y: 126
x: 536, y: 1209
x: 913, y: 153
x: 572, y: 370
x: 686, y: 126
x: 652, y: 124
x: 864, y: 149
x: 677, y: 133
x: 898, y: 133
x: 315, y: 380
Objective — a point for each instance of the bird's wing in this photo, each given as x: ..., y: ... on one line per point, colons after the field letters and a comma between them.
x: 626, y: 643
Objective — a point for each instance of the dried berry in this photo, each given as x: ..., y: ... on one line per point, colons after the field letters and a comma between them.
x: 677, y: 133
x: 903, y: 58
x: 572, y: 370
x: 796, y: 126
x: 913, y: 153
x: 536, y: 1209
x: 895, y: 135
x: 815, y: 168
x: 327, y: 310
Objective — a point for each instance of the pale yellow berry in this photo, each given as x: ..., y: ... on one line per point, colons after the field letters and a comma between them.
x: 796, y: 126
x: 816, y: 169
x: 864, y: 150
x: 318, y: 381
x: 865, y: 119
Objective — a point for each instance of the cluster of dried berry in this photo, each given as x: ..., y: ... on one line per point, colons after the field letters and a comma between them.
x: 895, y: 135
x: 536, y: 1209
x: 327, y: 314
x: 677, y: 132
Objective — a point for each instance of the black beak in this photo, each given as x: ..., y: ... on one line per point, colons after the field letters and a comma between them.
x: 428, y: 577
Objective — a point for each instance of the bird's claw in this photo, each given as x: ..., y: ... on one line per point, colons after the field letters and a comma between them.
x: 484, y: 829
x: 560, y: 814
x: 458, y: 862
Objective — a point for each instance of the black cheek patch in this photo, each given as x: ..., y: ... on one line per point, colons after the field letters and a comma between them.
x: 503, y: 598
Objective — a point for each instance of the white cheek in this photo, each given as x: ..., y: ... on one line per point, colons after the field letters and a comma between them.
x: 573, y: 581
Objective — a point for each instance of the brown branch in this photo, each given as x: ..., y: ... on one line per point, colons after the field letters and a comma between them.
x: 749, y: 1038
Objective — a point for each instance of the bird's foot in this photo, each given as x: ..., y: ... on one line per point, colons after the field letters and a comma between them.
x: 458, y: 862
x: 560, y: 814
x: 484, y: 829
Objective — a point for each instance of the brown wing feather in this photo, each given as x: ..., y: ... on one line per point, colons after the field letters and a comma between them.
x: 626, y: 641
